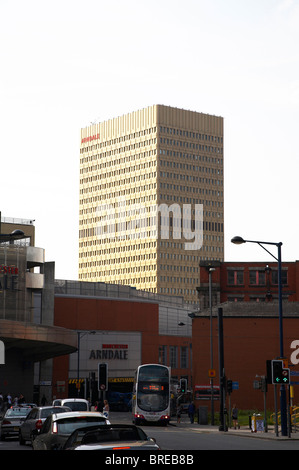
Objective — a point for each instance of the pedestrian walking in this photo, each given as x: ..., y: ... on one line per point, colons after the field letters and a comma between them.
x: 43, y: 400
x: 21, y: 399
x: 191, y: 412
x: 106, y: 409
x: 235, y: 413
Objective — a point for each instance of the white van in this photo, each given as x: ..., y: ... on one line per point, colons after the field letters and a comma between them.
x: 75, y: 404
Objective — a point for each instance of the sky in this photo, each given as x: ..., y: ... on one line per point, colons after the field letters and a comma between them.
x: 65, y: 64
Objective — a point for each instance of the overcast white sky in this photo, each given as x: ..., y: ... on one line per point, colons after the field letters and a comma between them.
x: 67, y: 63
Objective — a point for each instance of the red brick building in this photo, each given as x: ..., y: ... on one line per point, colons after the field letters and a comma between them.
x: 248, y: 295
x: 141, y: 327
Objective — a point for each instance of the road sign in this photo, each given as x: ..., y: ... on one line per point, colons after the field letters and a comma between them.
x: 235, y: 385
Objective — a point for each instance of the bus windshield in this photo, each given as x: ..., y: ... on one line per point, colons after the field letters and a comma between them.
x: 152, y: 397
x: 153, y: 388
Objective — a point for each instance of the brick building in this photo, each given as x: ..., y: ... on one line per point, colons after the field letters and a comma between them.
x: 248, y: 295
x: 123, y: 327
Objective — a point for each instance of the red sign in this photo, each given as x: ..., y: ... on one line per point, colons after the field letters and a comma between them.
x: 114, y: 346
x: 90, y: 138
x: 8, y: 269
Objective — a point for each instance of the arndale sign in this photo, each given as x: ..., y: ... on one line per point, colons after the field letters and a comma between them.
x: 110, y: 351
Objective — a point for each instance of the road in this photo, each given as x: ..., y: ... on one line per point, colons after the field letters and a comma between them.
x: 184, y: 436
x: 192, y: 439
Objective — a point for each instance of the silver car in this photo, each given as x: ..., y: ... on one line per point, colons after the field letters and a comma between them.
x: 35, y: 420
x: 58, y: 427
x: 110, y: 437
x: 12, y: 420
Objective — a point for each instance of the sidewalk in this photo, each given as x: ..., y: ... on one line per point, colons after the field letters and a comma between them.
x: 243, y: 431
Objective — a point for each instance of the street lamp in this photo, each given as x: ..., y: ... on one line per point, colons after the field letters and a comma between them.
x: 211, y: 344
x: 80, y: 335
x: 238, y: 241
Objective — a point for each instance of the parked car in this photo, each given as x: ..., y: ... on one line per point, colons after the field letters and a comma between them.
x: 75, y: 404
x: 58, y: 427
x: 35, y: 420
x: 28, y: 405
x: 12, y: 420
x: 110, y: 437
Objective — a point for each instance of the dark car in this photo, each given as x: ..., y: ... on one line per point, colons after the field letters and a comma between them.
x: 35, y: 420
x: 12, y: 420
x: 110, y: 437
x: 58, y: 427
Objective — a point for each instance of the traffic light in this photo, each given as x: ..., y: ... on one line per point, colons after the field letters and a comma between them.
x: 286, y: 376
x: 279, y: 374
x: 183, y: 385
x: 229, y: 386
x: 103, y: 376
x: 276, y: 371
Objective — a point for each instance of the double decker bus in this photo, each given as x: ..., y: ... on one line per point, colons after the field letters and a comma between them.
x: 151, y: 394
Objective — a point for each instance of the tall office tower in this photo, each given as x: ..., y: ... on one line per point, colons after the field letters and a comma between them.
x: 151, y: 199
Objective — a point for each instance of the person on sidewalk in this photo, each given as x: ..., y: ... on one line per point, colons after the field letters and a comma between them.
x: 191, y: 411
x: 235, y: 417
x: 106, y: 409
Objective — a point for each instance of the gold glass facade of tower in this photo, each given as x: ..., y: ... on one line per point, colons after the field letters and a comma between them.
x: 152, y: 157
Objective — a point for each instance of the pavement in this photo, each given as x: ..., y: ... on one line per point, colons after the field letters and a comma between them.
x: 242, y: 431
x: 125, y: 418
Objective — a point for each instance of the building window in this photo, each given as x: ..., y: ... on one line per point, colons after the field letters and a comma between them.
x: 184, y: 357
x: 173, y: 356
x: 257, y: 278
x: 234, y: 298
x: 284, y: 277
x: 257, y: 298
x: 163, y: 355
x: 235, y: 277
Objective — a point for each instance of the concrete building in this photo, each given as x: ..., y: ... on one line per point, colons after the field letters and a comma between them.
x: 28, y: 337
x: 151, y: 199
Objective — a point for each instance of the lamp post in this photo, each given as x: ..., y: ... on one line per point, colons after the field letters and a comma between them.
x: 80, y: 335
x: 238, y: 241
x: 211, y: 343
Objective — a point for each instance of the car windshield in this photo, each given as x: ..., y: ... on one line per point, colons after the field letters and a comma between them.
x: 15, y: 412
x: 68, y: 425
x: 105, y: 433
x: 111, y: 435
x: 76, y: 405
x: 48, y: 411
